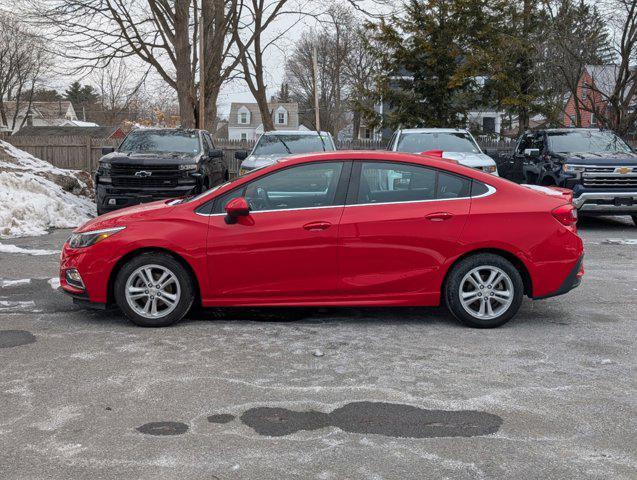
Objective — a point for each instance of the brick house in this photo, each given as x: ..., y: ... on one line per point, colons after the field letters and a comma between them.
x: 595, y: 85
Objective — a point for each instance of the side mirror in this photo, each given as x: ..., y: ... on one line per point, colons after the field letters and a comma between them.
x: 216, y: 153
x: 241, y: 154
x: 532, y: 152
x: 235, y: 208
x: 107, y: 150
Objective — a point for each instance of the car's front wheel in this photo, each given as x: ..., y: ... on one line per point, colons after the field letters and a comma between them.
x: 154, y: 290
x: 484, y: 290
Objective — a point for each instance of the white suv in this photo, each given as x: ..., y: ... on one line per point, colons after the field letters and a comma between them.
x: 454, y: 143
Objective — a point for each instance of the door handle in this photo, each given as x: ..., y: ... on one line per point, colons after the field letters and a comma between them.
x: 315, y: 226
x: 439, y: 216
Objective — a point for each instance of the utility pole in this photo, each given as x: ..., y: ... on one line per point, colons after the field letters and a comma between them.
x: 316, y: 92
x: 202, y: 76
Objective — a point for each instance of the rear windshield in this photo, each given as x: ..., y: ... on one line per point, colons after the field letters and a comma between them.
x: 161, y: 142
x: 448, y: 142
x: 584, y: 141
x: 291, y: 144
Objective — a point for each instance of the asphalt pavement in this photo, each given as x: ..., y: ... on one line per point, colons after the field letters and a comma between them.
x: 321, y: 394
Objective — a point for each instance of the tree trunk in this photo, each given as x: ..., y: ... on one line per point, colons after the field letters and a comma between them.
x: 356, y: 124
x: 183, y: 71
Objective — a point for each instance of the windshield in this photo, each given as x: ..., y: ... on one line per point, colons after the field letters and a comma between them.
x: 154, y: 141
x: 290, y: 144
x: 447, y: 142
x: 586, y: 141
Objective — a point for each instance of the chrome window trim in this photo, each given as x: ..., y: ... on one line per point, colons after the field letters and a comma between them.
x: 490, y: 191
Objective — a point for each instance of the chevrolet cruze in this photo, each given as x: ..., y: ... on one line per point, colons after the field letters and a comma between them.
x: 333, y: 229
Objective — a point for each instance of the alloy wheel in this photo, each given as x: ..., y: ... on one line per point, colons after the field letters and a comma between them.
x: 486, y: 292
x: 152, y: 291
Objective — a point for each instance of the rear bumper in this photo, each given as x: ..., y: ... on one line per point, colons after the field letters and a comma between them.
x: 610, y: 203
x: 572, y: 280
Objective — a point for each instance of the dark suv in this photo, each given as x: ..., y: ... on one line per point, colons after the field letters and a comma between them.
x: 152, y: 164
x: 597, y: 165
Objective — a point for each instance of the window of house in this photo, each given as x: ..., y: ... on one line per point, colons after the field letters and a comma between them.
x: 243, y: 117
x: 593, y: 120
x: 244, y: 136
x: 281, y: 118
x: 584, y: 91
x: 368, y: 133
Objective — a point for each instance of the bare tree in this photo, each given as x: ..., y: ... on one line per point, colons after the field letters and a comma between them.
x: 118, y: 89
x: 256, y: 18
x: 160, y: 33
x: 23, y: 59
x: 344, y: 70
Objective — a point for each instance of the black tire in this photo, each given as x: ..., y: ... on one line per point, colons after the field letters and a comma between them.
x: 461, y: 269
x: 183, y: 278
x: 100, y: 211
x: 634, y: 217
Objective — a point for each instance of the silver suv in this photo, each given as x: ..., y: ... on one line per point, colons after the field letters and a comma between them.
x: 277, y: 144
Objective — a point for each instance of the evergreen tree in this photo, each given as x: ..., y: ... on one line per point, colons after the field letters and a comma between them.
x: 83, y: 97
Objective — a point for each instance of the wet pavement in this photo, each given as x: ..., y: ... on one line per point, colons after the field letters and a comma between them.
x: 325, y: 394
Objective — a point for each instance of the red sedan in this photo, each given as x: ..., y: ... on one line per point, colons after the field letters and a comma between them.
x: 333, y: 229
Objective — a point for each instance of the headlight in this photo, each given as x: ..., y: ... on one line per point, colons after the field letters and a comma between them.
x: 567, y: 167
x: 490, y: 169
x: 86, y: 239
x: 104, y: 167
x: 188, y: 166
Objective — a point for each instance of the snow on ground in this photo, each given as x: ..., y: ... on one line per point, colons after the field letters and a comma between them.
x: 36, y: 196
x: 7, y: 248
x: 14, y: 283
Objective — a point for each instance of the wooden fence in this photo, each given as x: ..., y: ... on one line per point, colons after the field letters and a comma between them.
x: 83, y: 153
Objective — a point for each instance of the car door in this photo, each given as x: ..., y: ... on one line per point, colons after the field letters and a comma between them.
x: 401, y: 222
x: 285, y: 250
x: 217, y: 167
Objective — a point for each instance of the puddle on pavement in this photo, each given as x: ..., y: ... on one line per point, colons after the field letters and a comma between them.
x: 389, y: 419
x: 221, y: 418
x: 163, y: 428
x: 15, y: 338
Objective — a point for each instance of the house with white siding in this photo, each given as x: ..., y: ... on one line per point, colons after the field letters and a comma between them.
x: 245, y: 123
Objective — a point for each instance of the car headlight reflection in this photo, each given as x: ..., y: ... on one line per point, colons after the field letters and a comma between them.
x: 86, y: 239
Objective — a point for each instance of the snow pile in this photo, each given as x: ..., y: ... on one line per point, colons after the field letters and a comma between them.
x: 36, y: 196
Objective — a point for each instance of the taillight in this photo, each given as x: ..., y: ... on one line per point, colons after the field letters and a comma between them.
x: 566, y: 215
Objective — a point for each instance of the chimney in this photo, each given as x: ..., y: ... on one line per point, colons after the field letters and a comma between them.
x: 29, y: 116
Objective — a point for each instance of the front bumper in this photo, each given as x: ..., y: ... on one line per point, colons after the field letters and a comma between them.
x: 609, y: 202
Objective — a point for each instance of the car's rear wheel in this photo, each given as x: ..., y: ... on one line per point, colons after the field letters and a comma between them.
x: 154, y: 290
x: 484, y: 290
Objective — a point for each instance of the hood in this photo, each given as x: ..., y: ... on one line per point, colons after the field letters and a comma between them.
x: 602, y: 158
x: 128, y: 214
x: 468, y: 159
x: 258, y: 161
x: 138, y: 158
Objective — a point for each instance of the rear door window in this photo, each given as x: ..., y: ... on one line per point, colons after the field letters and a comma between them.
x: 395, y: 182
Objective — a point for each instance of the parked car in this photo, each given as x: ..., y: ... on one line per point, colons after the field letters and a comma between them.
x: 451, y: 143
x: 157, y: 163
x: 333, y: 229
x: 597, y: 165
x: 277, y: 144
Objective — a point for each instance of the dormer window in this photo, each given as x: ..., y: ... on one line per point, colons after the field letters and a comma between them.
x: 244, y: 116
x: 281, y: 117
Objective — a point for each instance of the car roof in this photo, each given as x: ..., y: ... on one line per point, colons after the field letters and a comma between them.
x: 294, y: 132
x: 166, y: 129
x: 566, y: 130
x: 433, y: 130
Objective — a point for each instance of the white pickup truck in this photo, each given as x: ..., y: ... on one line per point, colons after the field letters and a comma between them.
x: 452, y: 143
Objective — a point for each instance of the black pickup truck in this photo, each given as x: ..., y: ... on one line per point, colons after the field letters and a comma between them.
x: 152, y: 164
x: 597, y: 165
